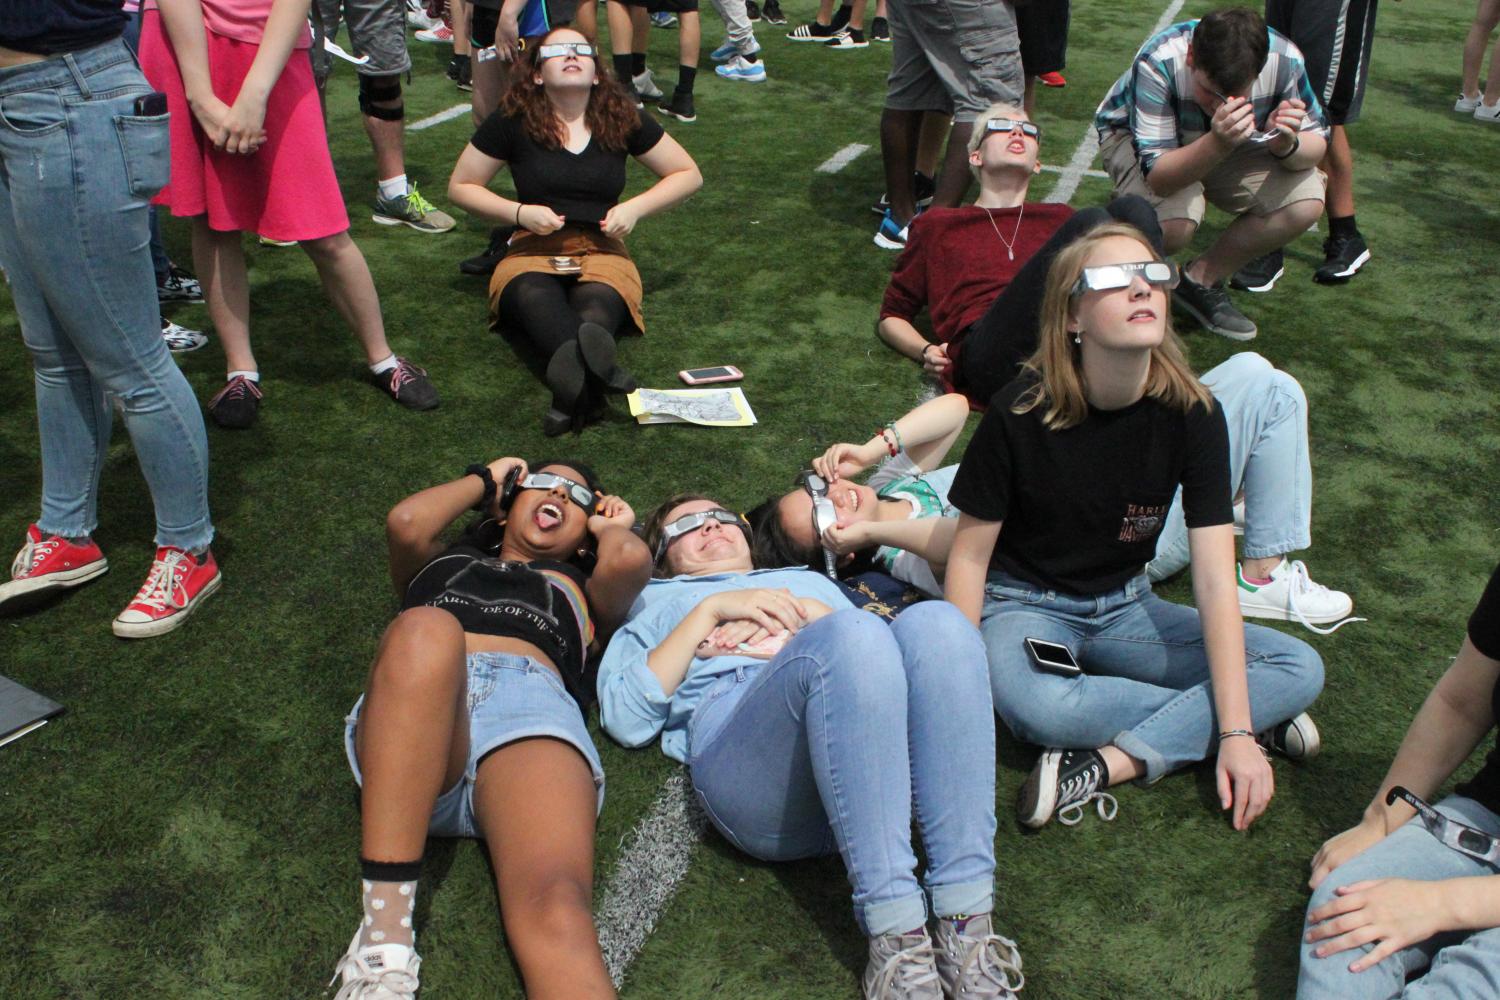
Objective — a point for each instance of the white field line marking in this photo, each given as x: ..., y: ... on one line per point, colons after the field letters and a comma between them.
x: 838, y: 161
x: 647, y: 874
x: 1078, y: 166
x: 439, y: 118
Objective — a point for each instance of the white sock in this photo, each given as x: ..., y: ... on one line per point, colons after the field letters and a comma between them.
x: 381, y: 367
x: 388, y: 913
x: 252, y: 376
x: 393, y: 188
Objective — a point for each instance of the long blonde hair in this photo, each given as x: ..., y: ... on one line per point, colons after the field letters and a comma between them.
x: 1058, y: 361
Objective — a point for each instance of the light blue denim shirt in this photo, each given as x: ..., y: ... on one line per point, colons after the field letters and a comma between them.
x: 633, y: 708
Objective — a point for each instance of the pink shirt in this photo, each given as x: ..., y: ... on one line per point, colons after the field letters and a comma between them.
x: 241, y: 20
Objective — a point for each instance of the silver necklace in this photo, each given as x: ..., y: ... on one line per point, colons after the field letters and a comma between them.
x: 1010, y: 244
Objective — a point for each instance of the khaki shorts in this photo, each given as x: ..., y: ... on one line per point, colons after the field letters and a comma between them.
x: 1250, y: 181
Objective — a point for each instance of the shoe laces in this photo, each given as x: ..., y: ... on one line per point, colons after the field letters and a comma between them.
x: 31, y: 556
x: 159, y: 592
x: 908, y: 969
x: 1300, y: 586
x: 238, y: 387
x: 991, y: 960
x: 1081, y: 789
x: 369, y: 983
x: 404, y: 374
x: 415, y: 200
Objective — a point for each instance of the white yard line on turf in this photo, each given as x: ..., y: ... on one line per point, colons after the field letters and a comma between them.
x: 439, y: 118
x: 1078, y: 166
x: 838, y: 161
x: 647, y: 873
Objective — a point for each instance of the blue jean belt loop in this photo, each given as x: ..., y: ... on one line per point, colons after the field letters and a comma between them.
x: 739, y: 673
x: 78, y: 77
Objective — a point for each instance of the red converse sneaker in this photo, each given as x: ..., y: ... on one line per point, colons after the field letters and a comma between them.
x: 177, y: 583
x: 47, y: 564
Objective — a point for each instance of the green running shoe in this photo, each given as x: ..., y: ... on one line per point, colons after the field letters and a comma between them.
x: 412, y: 210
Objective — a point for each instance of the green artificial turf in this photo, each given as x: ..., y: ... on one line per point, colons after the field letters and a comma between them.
x: 189, y: 828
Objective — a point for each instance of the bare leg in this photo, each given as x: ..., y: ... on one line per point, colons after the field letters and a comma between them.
x: 388, y: 139
x: 348, y: 285
x: 640, y: 29
x: 934, y: 131
x: 1028, y: 100
x: 689, y: 37
x: 1260, y: 569
x: 1338, y: 164
x: 617, y: 15
x: 1250, y: 236
x: 1176, y: 234
x: 586, y: 20
x: 463, y: 10
x: 413, y: 733
x: 1492, y: 92
x: 953, y: 184
x: 857, y: 14
x: 220, y: 261
x: 1122, y: 766
x: 536, y: 802
x: 1485, y: 19
x: 898, y: 151
x: 489, y: 78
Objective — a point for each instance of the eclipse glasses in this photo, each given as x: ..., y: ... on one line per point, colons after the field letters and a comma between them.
x: 823, y: 514
x: 1107, y: 277
x: 1029, y: 129
x: 1461, y: 837
x: 577, y: 492
x: 689, y: 523
x: 554, y: 49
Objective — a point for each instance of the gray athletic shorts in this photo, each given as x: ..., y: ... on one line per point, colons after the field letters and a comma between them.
x: 1335, y: 38
x: 377, y: 28
x: 955, y: 56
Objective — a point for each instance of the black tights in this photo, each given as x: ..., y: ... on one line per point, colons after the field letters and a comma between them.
x: 549, y: 308
x: 1006, y: 335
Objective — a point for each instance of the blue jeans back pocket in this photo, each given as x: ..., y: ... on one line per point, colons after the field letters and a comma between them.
x: 145, y: 144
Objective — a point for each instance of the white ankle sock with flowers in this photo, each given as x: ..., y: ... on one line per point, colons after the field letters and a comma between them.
x: 389, y: 893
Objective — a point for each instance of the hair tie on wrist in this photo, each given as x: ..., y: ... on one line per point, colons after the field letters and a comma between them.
x: 1225, y: 734
x: 484, y: 473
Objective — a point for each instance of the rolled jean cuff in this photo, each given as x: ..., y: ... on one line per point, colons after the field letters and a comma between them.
x: 1254, y: 547
x: 894, y: 916
x: 1156, y: 765
x: 968, y: 899
x: 192, y: 538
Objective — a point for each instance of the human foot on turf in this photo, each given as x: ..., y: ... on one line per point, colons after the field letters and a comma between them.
x: 409, y: 385
x: 974, y: 961
x: 377, y: 972
x: 236, y: 406
x: 46, y: 564
x: 1061, y: 784
x: 1289, y: 594
x: 178, y: 582
x: 902, y: 967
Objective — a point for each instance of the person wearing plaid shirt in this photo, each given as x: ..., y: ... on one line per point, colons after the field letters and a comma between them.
x: 1218, y: 111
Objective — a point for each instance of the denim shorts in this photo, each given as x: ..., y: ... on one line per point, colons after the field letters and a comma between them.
x: 510, y: 698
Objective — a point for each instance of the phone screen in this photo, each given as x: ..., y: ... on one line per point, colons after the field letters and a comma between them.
x: 708, y: 372
x: 1053, y: 656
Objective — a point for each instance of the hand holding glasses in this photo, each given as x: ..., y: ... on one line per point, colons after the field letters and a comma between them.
x: 1461, y: 837
x: 824, y: 516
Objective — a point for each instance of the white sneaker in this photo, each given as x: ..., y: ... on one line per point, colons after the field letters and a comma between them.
x: 1239, y: 516
x: 379, y: 972
x: 645, y: 86
x: 740, y: 68
x: 438, y: 34
x: 1487, y: 112
x: 902, y: 967
x: 1292, y: 596
x: 417, y: 16
x: 180, y: 338
x: 1466, y: 105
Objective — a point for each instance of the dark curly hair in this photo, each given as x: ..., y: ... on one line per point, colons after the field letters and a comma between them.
x: 487, y: 534
x: 611, y: 116
x: 774, y: 548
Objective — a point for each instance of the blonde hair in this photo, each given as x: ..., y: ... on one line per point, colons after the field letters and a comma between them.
x: 1000, y: 109
x: 1057, y: 363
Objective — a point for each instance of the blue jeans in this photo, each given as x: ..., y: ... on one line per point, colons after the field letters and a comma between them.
x: 160, y: 263
x: 1145, y: 682
x: 1267, y: 415
x: 804, y: 755
x: 1460, y: 966
x: 77, y: 170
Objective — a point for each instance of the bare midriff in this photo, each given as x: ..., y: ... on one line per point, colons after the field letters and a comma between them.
x: 475, y: 642
x: 10, y: 57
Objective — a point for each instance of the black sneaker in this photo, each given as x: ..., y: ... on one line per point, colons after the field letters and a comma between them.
x: 1210, y: 306
x: 752, y: 10
x: 482, y: 265
x: 1343, y: 256
x: 679, y: 106
x: 1261, y: 274
x: 1061, y: 784
x: 465, y: 81
x: 848, y: 39
x: 923, y: 187
x: 178, y: 286
x: 771, y: 11
x: 880, y: 30
x: 237, y: 404
x: 409, y: 385
x: 1294, y: 739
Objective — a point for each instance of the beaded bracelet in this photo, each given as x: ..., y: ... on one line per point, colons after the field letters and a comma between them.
x: 889, y: 444
x: 900, y: 445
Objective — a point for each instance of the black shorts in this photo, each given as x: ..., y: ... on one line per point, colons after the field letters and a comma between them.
x: 1335, y: 38
x: 658, y: 6
x: 1042, y: 26
x: 486, y: 18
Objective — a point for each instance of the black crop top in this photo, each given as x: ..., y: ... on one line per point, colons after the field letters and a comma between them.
x: 540, y: 602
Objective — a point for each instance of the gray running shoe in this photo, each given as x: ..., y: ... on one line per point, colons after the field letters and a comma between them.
x: 975, y: 961
x: 1210, y: 306
x: 902, y: 967
x: 411, y: 209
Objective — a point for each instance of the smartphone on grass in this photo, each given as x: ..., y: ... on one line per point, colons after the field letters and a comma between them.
x: 707, y: 376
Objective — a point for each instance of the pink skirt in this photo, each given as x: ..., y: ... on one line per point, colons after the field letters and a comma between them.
x: 286, y: 190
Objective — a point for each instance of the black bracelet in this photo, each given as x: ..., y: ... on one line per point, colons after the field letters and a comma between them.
x: 484, y: 473
x: 1296, y: 145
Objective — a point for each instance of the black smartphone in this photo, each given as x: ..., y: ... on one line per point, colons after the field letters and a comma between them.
x: 1053, y: 657
x: 152, y: 105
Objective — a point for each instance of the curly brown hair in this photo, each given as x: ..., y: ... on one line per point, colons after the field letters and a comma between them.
x: 611, y: 116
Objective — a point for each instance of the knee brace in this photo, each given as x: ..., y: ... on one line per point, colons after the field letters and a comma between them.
x: 381, y: 88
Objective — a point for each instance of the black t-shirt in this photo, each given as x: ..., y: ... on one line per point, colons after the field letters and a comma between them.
x: 581, y: 187
x: 1484, y: 633
x: 1083, y: 507
x: 45, y: 27
x: 541, y: 602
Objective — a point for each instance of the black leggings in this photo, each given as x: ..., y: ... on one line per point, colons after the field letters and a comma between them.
x: 1006, y: 335
x: 549, y: 308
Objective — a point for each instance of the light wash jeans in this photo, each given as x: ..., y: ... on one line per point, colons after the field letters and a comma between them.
x: 1460, y: 966
x: 77, y: 170
x: 805, y: 755
x: 1145, y: 682
x: 1266, y: 411
x: 160, y: 263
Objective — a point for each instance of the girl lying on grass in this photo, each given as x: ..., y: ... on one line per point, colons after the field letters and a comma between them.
x: 1062, y: 493
x: 471, y: 724
x: 1403, y: 893
x: 783, y: 701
